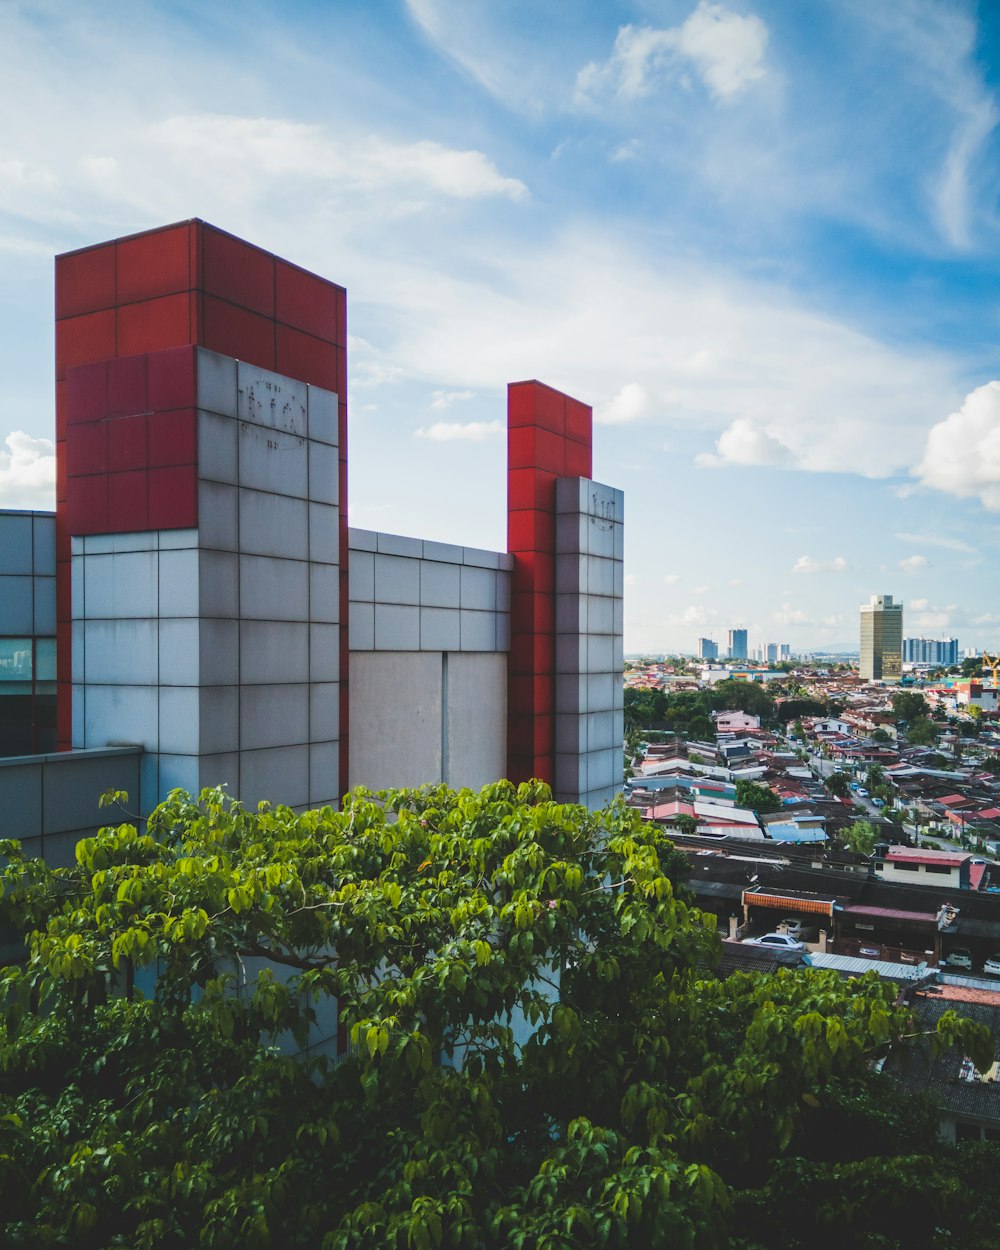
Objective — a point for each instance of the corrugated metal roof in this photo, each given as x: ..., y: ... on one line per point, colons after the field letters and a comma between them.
x: 854, y: 963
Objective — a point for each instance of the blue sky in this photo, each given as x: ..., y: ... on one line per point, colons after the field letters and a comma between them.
x: 760, y: 238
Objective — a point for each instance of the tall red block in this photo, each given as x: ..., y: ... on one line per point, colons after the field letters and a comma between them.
x: 128, y: 315
x: 548, y: 437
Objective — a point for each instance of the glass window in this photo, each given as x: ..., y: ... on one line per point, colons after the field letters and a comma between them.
x: 15, y: 660
x: 45, y: 659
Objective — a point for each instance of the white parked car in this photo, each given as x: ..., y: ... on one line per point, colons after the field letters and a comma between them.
x: 992, y: 965
x: 777, y: 941
x: 960, y: 957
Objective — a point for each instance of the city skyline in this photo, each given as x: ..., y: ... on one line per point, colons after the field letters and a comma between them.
x: 762, y: 242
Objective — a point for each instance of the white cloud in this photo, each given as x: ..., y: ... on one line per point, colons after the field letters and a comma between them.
x: 697, y: 614
x: 912, y: 563
x: 27, y: 472
x: 631, y: 579
x: 701, y: 590
x: 934, y: 540
x: 743, y: 444
x: 962, y: 454
x: 725, y: 49
x: 672, y: 578
x: 787, y: 615
x: 918, y: 605
x: 445, y: 399
x: 806, y: 564
x: 470, y: 431
x: 631, y: 403
x: 279, y: 148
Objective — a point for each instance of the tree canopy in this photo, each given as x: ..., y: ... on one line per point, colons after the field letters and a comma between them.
x: 922, y: 732
x: 534, y: 1049
x: 909, y: 705
x: 757, y: 798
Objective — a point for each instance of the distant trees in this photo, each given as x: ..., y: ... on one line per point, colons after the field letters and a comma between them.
x: 881, y: 735
x: 909, y: 705
x: 861, y: 837
x: 838, y: 784
x: 922, y: 732
x: 756, y: 798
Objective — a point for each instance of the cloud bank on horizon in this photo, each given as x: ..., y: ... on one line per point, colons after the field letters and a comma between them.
x: 761, y: 240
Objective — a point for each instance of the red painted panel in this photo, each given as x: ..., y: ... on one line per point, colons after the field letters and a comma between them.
x: 62, y: 471
x: 235, y: 332
x: 579, y: 422
x: 82, y: 340
x: 551, y: 411
x: 127, y: 386
x: 85, y: 281
x: 172, y: 380
x: 87, y: 505
x: 128, y: 508
x: 61, y: 410
x: 63, y: 544
x: 305, y: 357
x: 305, y: 301
x: 521, y: 399
x: 64, y: 582
x: 236, y: 271
x: 154, y: 324
x: 154, y: 264
x: 86, y: 450
x: 86, y: 393
x: 173, y: 438
x: 579, y: 460
x: 173, y: 498
x: 127, y: 443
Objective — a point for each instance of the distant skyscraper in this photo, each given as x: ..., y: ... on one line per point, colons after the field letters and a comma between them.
x: 939, y: 651
x: 881, y: 639
x: 707, y: 649
x: 737, y: 644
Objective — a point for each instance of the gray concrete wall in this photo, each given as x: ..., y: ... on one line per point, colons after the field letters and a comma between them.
x: 217, y: 649
x: 590, y: 696
x: 430, y: 632
x: 426, y: 717
x: 49, y: 802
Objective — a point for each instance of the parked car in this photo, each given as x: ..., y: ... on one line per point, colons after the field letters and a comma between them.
x: 862, y: 792
x: 992, y: 965
x: 879, y: 802
x: 960, y: 957
x: 777, y: 941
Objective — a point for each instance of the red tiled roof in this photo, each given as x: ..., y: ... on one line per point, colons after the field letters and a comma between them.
x: 891, y: 913
x: 959, y: 993
x: 946, y: 859
x: 789, y: 902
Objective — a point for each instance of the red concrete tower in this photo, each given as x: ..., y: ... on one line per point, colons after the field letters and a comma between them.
x: 549, y: 436
x: 132, y: 310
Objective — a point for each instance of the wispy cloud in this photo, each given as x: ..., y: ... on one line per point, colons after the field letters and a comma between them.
x: 806, y: 564
x: 469, y: 431
x: 936, y: 540
x: 912, y: 564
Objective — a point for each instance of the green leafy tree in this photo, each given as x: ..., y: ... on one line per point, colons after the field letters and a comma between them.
x: 881, y: 735
x: 861, y: 836
x: 922, y: 732
x: 538, y: 1054
x: 838, y: 784
x: 757, y: 798
x: 686, y: 824
x: 909, y: 705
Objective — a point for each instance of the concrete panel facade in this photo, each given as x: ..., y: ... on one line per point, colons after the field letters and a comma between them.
x: 200, y: 644
x: 589, y: 690
x: 50, y: 801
